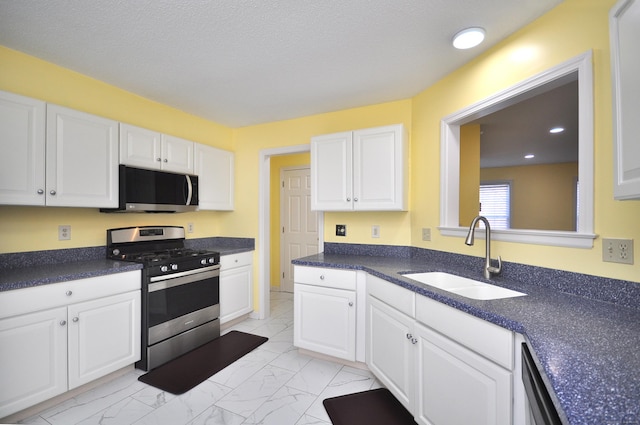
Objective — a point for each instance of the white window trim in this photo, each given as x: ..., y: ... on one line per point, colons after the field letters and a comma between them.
x: 450, y: 159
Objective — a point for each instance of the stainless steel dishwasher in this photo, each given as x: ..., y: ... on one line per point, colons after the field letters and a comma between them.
x: 541, y: 408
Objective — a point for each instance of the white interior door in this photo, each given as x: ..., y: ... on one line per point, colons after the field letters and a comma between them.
x: 299, y: 236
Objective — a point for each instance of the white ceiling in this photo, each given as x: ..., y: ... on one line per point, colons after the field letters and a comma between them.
x: 245, y: 62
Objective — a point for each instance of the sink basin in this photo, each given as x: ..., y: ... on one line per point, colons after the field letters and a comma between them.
x: 462, y: 286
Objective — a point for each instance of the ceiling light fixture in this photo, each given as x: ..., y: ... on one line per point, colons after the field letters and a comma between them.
x: 555, y: 130
x: 529, y: 156
x: 468, y: 38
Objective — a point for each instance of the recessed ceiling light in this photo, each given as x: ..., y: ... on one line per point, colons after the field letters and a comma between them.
x: 468, y: 38
x: 555, y: 130
x: 529, y: 156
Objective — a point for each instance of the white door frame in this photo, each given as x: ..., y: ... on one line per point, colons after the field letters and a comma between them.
x: 264, y: 224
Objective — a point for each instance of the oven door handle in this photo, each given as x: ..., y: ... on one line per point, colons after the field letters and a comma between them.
x: 182, y: 278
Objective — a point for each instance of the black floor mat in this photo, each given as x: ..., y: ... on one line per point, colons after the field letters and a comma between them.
x: 180, y: 375
x: 374, y: 407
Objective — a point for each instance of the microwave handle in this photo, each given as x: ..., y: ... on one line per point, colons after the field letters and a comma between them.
x: 189, y: 190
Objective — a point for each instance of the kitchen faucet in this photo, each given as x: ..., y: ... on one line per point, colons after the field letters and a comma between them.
x: 488, y: 269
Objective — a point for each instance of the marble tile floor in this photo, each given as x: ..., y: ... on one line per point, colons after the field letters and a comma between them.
x: 273, y: 384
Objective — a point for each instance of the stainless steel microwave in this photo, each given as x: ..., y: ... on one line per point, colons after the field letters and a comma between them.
x: 143, y: 190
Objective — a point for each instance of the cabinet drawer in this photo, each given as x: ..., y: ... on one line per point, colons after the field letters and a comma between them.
x: 21, y: 301
x: 396, y: 296
x: 236, y: 260
x: 329, y: 278
x: 486, y: 339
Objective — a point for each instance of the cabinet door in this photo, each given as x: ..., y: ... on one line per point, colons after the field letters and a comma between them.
x: 177, y: 154
x: 22, y: 132
x: 457, y: 386
x: 390, y: 349
x: 331, y: 172
x: 236, y: 293
x: 325, y: 320
x: 104, y: 336
x: 82, y: 159
x: 33, y: 353
x: 215, y: 171
x: 139, y: 147
x: 379, y: 169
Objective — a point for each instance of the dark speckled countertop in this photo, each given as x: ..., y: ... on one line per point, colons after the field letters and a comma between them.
x: 28, y: 269
x: 586, y: 339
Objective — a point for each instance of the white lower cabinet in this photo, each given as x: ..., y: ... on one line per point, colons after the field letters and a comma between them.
x: 56, y: 337
x: 445, y: 366
x: 236, y: 285
x: 456, y: 385
x: 325, y: 312
x: 391, y: 350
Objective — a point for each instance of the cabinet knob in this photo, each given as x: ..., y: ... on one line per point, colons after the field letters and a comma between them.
x: 166, y: 160
x: 52, y: 192
x: 350, y: 303
x: 355, y: 199
x: 40, y: 191
x: 63, y: 322
x: 414, y: 341
x: 158, y: 159
x: 75, y: 319
x: 348, y: 199
x: 321, y: 277
x: 409, y: 336
x: 68, y: 293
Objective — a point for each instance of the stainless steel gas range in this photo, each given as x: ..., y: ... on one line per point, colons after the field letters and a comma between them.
x: 180, y: 290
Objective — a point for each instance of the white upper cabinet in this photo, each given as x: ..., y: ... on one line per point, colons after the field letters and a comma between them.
x: 215, y: 170
x: 624, y: 24
x: 148, y: 149
x: 22, y: 142
x: 362, y: 170
x: 56, y: 156
x: 81, y: 159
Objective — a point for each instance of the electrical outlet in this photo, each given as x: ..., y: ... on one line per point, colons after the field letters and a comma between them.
x: 617, y: 250
x: 426, y: 234
x: 64, y: 232
x: 189, y: 227
x: 341, y: 230
x: 375, y: 231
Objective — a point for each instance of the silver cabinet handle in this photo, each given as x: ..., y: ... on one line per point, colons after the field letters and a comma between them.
x: 68, y: 293
x: 40, y: 191
x: 75, y: 319
x: 52, y: 192
x: 350, y: 303
x: 63, y: 322
x: 321, y: 277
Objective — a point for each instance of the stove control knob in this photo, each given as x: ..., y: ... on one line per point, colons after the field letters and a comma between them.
x: 203, y: 261
x: 164, y: 269
x: 174, y: 267
x: 212, y: 260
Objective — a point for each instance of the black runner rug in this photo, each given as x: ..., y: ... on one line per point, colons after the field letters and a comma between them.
x: 185, y: 372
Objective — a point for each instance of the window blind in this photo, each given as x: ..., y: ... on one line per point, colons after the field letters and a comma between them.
x: 495, y: 204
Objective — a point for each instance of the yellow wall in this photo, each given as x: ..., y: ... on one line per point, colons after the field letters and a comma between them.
x: 277, y: 164
x: 469, y: 173
x: 542, y: 196
x: 36, y: 228
x: 572, y: 28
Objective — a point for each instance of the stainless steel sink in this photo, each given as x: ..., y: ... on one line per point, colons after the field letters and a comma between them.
x: 462, y: 286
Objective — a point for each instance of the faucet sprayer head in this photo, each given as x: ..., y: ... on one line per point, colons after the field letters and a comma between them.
x: 469, y: 240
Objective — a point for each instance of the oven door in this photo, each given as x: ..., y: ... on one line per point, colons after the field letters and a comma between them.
x: 182, y: 301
